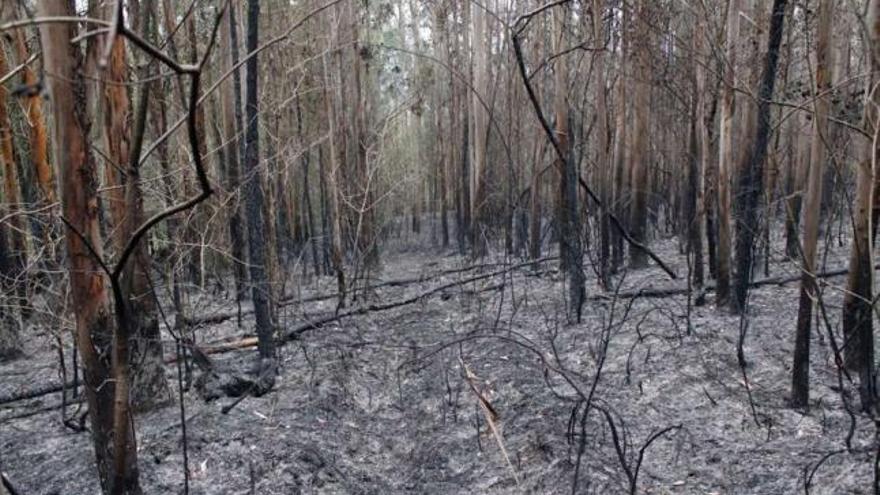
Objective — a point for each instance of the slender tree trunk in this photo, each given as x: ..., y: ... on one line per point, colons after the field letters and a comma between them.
x: 570, y: 253
x: 464, y: 178
x: 620, y: 146
x: 197, y: 223
x: 751, y: 180
x: 36, y: 125
x: 10, y: 334
x: 800, y: 381
x: 254, y: 210
x: 39, y: 153
x: 148, y: 385
x: 858, y: 299
x: 465, y: 60
x: 727, y: 155
x: 795, y: 200
x: 186, y: 231
x: 445, y: 150
x: 231, y: 105
x: 326, y: 225
x: 700, y: 162
x: 89, y: 287
x: 10, y: 338
x: 535, y: 215
x: 710, y: 191
x: 367, y: 243
x: 639, y: 160
x: 307, y: 195
x: 171, y: 255
x: 480, y: 206
x: 268, y: 170
x: 332, y: 184
x: 602, y: 145
x: 117, y: 132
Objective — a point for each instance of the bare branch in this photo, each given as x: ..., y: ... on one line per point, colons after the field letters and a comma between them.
x: 517, y: 47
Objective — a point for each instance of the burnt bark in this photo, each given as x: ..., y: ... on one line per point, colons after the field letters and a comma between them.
x: 858, y: 301
x: 254, y: 199
x: 750, y: 184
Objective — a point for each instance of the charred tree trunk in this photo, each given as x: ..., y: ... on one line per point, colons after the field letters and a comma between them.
x: 535, y: 214
x: 603, y: 155
x: 800, y: 377
x: 117, y: 117
x: 858, y: 307
x: 326, y: 226
x: 254, y: 199
x: 464, y: 226
x: 751, y: 180
x: 570, y: 253
x: 10, y: 334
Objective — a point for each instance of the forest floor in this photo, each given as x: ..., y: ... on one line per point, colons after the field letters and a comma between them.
x: 380, y: 403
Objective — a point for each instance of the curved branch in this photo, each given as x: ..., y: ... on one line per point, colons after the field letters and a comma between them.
x: 193, y: 135
x: 517, y: 48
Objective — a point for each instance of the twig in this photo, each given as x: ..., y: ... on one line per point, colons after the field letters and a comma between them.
x: 491, y: 416
x: 17, y: 69
x: 523, y: 21
x: 808, y: 478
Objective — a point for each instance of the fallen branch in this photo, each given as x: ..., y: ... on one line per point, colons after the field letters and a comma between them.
x: 677, y: 291
x: 491, y: 416
x: 7, y: 485
x: 563, y: 158
x: 294, y: 333
x: 45, y: 389
x: 288, y: 300
x: 40, y: 410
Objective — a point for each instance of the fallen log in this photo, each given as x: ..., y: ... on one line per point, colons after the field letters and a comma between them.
x: 289, y: 299
x: 252, y: 341
x: 678, y: 291
x: 294, y: 333
x: 39, y: 391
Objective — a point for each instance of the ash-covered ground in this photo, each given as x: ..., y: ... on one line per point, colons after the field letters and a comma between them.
x: 380, y: 403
